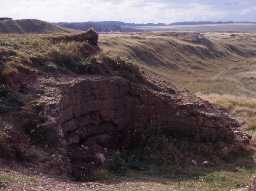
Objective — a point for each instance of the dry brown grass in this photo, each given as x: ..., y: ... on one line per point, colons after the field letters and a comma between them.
x: 231, y: 102
x: 39, y: 53
x: 8, y: 71
x: 241, y: 107
x: 197, y: 66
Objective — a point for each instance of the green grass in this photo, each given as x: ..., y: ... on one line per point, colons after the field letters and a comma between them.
x: 5, y: 181
x: 206, y: 180
x: 16, y: 179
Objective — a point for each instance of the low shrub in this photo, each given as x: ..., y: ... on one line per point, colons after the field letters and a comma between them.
x: 6, y: 72
x: 9, y: 100
x: 117, y: 164
x: 122, y: 68
x: 40, y: 135
x: 70, y: 56
x: 153, y: 148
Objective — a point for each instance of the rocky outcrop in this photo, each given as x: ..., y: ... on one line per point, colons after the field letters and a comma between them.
x: 123, y: 105
x: 90, y: 36
x: 98, y: 114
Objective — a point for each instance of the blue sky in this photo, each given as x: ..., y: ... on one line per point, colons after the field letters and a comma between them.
x: 166, y: 11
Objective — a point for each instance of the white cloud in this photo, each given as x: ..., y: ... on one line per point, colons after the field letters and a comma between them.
x: 125, y: 10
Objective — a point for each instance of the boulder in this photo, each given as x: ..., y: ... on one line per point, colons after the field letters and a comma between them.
x: 90, y: 36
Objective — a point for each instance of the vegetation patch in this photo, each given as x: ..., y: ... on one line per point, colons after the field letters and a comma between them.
x: 71, y: 56
x: 9, y: 100
x: 122, y: 68
x: 159, y: 154
x: 241, y: 107
x: 5, y: 180
x: 39, y: 134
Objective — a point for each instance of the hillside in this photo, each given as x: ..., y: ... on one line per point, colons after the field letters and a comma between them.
x: 203, y: 26
x: 219, y: 67
x: 209, y: 23
x: 28, y: 26
x: 104, y: 26
x: 112, y: 108
x: 199, y: 62
x: 108, y: 26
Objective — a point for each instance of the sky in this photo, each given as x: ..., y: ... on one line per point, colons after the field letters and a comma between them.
x: 139, y: 11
